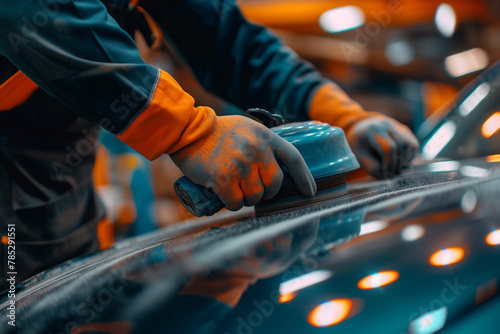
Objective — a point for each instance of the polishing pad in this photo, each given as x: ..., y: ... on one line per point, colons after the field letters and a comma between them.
x: 328, y: 156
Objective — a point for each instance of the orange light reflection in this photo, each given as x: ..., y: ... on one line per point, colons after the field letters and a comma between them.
x: 287, y: 297
x: 491, y: 125
x: 493, y: 239
x: 447, y: 256
x: 493, y: 158
x: 379, y: 279
x: 330, y: 313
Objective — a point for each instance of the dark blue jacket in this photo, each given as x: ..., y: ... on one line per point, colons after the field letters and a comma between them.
x: 66, y: 66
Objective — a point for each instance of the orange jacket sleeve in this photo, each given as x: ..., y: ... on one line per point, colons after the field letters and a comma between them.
x: 332, y: 105
x: 169, y: 122
x: 93, y: 66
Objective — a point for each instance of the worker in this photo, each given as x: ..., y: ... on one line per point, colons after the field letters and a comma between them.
x: 68, y: 68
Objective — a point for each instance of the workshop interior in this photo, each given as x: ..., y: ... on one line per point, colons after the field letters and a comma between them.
x: 250, y: 166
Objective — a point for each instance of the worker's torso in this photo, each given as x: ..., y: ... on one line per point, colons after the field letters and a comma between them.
x: 47, y: 154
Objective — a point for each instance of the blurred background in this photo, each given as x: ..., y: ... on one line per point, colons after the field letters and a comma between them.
x: 405, y: 58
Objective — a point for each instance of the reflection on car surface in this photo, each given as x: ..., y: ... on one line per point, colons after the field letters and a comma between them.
x: 470, y: 125
x: 412, y: 254
x: 417, y: 254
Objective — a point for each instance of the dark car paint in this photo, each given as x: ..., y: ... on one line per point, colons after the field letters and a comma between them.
x: 454, y: 134
x: 142, y: 285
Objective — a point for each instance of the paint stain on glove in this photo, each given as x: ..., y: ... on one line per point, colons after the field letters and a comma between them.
x: 238, y: 160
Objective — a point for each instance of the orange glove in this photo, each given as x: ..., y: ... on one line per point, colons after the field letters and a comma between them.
x: 238, y: 161
x: 382, y: 145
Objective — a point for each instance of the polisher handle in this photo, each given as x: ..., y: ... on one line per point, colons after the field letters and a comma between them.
x: 201, y: 201
x: 198, y: 200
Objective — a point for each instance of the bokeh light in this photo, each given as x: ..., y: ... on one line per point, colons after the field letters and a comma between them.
x: 466, y: 62
x: 442, y: 137
x: 446, y: 20
x: 430, y: 322
x: 412, y: 232
x: 287, y: 297
x: 474, y: 99
x: 447, y: 256
x: 372, y: 227
x: 493, y: 158
x: 379, y: 279
x: 304, y: 281
x: 342, y: 19
x: 330, y: 313
x: 491, y: 126
x: 493, y: 239
x: 399, y: 53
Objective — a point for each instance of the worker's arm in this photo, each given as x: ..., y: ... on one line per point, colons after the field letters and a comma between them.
x: 382, y: 145
x: 238, y: 61
x: 247, y: 65
x: 76, y: 52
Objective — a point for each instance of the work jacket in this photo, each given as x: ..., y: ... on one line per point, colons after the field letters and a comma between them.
x: 67, y: 67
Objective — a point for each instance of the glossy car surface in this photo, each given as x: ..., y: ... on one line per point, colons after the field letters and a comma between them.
x: 406, y: 255
x: 469, y: 126
x: 418, y: 254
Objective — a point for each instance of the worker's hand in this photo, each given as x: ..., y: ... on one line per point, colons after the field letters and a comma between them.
x: 238, y: 161
x: 382, y: 145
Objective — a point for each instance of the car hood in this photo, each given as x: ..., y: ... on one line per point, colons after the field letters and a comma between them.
x: 409, y: 254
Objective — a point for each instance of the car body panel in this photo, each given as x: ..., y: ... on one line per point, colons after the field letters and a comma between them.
x: 468, y: 126
x: 205, y: 276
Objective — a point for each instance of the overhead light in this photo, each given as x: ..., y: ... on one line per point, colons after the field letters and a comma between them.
x: 342, y: 19
x: 447, y: 256
x: 491, y: 126
x: 474, y: 99
x: 374, y: 226
x: 430, y: 322
x: 441, y: 138
x: 330, y: 313
x: 399, y: 53
x: 377, y: 280
x: 466, y: 62
x: 304, y: 281
x: 446, y: 20
x: 493, y: 239
x: 412, y: 232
